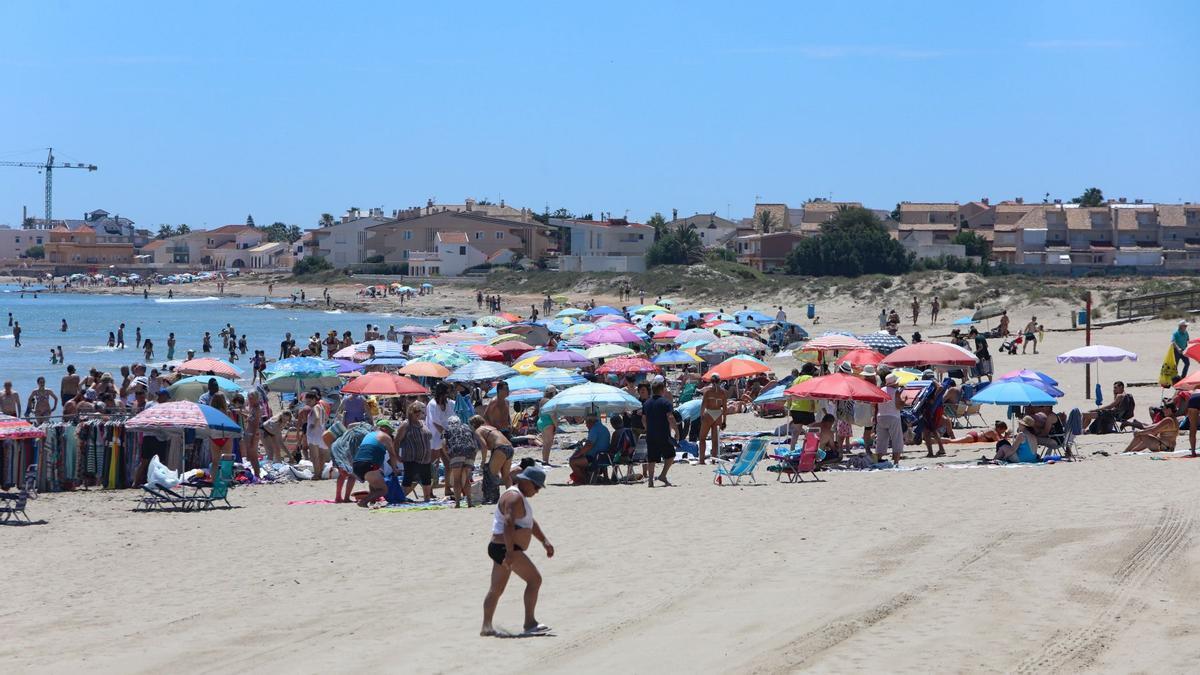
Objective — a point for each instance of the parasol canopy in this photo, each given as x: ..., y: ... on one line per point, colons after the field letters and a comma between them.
x: 838, y: 387
x: 591, y: 397
x: 481, y: 371
x: 192, y: 388
x: 424, y: 369
x: 627, y: 365
x: 1095, y: 353
x: 15, y: 429
x: 204, y: 366
x: 733, y: 368
x: 1013, y: 392
x: 860, y: 357
x: 384, y: 384
x: 185, y: 415
x: 563, y: 358
x: 931, y: 354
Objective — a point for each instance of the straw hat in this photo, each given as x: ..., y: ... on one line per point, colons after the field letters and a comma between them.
x: 846, y: 368
x: 868, y: 371
x: 1028, y: 421
x: 891, y: 380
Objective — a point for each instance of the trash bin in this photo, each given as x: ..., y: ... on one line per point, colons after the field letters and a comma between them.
x: 812, y: 310
x: 1083, y: 317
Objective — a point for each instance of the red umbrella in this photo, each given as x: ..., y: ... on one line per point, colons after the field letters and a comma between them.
x: 931, y: 354
x: 487, y: 352
x: 1193, y: 350
x: 838, y: 387
x: 206, y: 365
x: 861, y: 357
x: 384, y: 384
x: 511, y: 349
x: 834, y: 342
x: 627, y: 365
x: 1188, y: 383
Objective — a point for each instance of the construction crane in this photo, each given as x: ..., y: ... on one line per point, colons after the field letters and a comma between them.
x: 49, y: 166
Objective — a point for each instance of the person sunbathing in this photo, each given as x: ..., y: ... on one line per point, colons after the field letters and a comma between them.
x: 993, y: 435
x: 1022, y: 447
x: 1157, y: 437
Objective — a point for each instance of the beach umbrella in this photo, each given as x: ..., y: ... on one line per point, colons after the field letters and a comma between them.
x: 511, y: 349
x: 301, y: 372
x: 675, y: 357
x: 486, y: 352
x: 384, y: 384
x: 570, y: 312
x: 504, y: 337
x: 650, y: 309
x: 204, y: 366
x: 563, y: 359
x: 1189, y: 383
x: 191, y: 388
x: 931, y: 354
x: 558, y: 326
x: 472, y: 334
x: 610, y: 318
x: 1096, y: 354
x: 834, y: 342
x: 15, y: 429
x: 347, y: 366
x: 987, y: 312
x: 1013, y: 392
x: 512, y: 318
x: 688, y: 315
x: 203, y: 419
x: 666, y: 302
x: 558, y: 377
x: 695, y: 335
x: 531, y: 333
x: 521, y: 382
x: 731, y: 328
x: 860, y: 357
x: 451, y: 358
x: 964, y: 321
x: 590, y: 397
x: 424, y: 369
x: 666, y: 336
x: 704, y: 311
x: 690, y: 411
x: 560, y: 299
x: 734, y: 344
x: 627, y: 365
x: 665, y: 317
x: 838, y: 387
x: 882, y: 342
x: 415, y: 331
x: 527, y: 365
x: 385, y: 362
x: 1028, y: 375
x: 602, y: 310
x: 772, y: 395
x: 733, y: 368
x: 493, y: 321
x: 751, y: 315
x: 481, y: 371
x: 523, y: 395
x: 607, y: 351
x: 579, y: 330
x: 611, y: 335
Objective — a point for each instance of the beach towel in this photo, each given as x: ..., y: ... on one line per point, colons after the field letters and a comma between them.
x: 307, y: 502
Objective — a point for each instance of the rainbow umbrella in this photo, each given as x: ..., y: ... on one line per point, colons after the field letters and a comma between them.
x: 14, y: 429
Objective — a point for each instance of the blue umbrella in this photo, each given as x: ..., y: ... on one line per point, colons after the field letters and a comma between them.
x: 191, y: 388
x: 751, y: 315
x: 1009, y: 392
x: 481, y: 371
x: 558, y: 377
x: 691, y: 410
x: 591, y: 397
x: 688, y: 315
x: 347, y: 366
x: 675, y: 357
x: 964, y: 321
x: 302, y: 372
x: 603, y: 309
x: 387, y: 360
x: 772, y: 395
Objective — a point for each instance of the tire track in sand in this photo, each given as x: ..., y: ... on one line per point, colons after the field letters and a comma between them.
x: 799, y: 651
x: 1080, y: 648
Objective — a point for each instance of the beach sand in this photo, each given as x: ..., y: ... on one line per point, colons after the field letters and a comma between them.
x: 1086, y: 565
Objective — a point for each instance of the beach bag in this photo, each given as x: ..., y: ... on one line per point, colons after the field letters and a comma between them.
x: 158, y: 474
x: 395, y: 493
x: 490, y: 487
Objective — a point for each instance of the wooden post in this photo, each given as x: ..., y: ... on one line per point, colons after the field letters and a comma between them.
x: 1087, y: 370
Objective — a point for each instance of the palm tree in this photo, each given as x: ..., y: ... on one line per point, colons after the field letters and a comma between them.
x: 691, y: 246
x: 766, y: 222
x: 326, y: 220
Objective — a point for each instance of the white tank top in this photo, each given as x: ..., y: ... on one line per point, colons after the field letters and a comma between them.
x: 523, y: 523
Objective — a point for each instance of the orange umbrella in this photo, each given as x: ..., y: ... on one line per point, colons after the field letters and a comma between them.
x: 733, y: 368
x: 509, y: 316
x: 666, y: 317
x: 424, y: 369
x: 384, y: 384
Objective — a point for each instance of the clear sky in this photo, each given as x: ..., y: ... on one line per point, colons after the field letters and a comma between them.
x: 204, y: 112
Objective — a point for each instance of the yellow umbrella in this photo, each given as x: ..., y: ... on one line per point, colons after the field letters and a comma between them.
x: 527, y: 367
x: 560, y: 299
x: 650, y: 308
x: 905, y: 376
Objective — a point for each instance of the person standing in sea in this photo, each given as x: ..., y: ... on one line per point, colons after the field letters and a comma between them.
x: 121, y: 336
x: 170, y: 346
x: 16, y: 333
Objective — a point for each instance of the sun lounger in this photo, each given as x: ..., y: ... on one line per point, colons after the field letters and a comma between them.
x: 744, y: 465
x: 158, y: 498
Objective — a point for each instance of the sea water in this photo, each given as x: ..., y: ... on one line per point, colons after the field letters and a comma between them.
x: 90, y: 318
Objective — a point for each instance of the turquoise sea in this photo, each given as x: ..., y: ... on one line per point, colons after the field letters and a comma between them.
x: 90, y: 318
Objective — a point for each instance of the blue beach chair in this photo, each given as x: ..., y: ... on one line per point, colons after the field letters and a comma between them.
x: 743, y: 466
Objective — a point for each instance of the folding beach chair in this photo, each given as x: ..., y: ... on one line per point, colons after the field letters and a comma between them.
x: 743, y: 465
x: 158, y: 498
x: 1074, y: 427
x: 219, y: 492
x: 790, y: 460
x: 12, y: 505
x: 808, y: 460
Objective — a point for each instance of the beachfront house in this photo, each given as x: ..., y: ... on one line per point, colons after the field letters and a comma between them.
x: 766, y: 252
x: 14, y: 242
x: 399, y: 240
x: 344, y: 244
x: 816, y: 213
x: 611, y: 245
x: 714, y: 231
x: 81, y: 247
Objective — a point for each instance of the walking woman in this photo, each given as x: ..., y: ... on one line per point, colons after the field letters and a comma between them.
x: 513, y: 527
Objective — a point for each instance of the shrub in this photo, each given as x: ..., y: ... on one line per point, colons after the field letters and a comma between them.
x: 852, y: 243
x: 374, y: 259
x: 311, y: 265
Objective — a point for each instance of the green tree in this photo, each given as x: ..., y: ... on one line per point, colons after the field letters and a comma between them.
x: 563, y: 214
x: 659, y: 223
x: 278, y: 231
x: 766, y: 222
x: 326, y: 220
x: 853, y: 242
x: 678, y: 246
x: 1090, y: 197
x: 249, y: 220
x: 183, y: 229
x: 586, y: 216
x: 975, y: 244
x: 311, y: 265
x: 35, y: 252
x: 895, y: 214
x: 165, y: 231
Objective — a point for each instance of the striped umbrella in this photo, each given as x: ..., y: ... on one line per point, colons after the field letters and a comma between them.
x: 607, y: 352
x: 302, y: 372
x: 185, y: 415
x: 676, y: 357
x: 481, y: 371
x: 446, y: 357
x: 204, y: 366
x: 192, y: 388
x: 612, y: 335
x: 883, y: 342
x: 14, y: 429
x: 735, y: 344
x: 558, y: 377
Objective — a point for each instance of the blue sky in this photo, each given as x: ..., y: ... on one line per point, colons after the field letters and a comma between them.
x: 204, y: 112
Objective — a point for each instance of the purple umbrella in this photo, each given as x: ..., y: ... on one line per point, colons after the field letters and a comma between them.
x: 347, y: 366
x: 562, y: 359
x: 611, y: 335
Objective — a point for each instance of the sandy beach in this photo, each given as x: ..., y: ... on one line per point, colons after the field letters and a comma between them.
x: 944, y: 565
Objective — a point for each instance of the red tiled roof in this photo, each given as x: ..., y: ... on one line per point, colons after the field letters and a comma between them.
x: 453, y: 237
x: 234, y: 229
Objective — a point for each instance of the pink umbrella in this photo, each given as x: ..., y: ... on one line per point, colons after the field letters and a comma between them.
x: 611, y: 335
x: 931, y: 354
x: 627, y: 365
x: 834, y: 342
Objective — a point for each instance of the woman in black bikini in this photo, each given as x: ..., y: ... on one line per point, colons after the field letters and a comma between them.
x: 513, y: 527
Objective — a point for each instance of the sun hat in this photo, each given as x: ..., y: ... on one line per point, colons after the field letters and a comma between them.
x: 868, y: 371
x: 928, y: 373
x: 891, y: 380
x: 1027, y: 421
x: 384, y: 422
x: 846, y: 368
x: 1183, y: 322
x: 534, y: 475
x: 883, y: 369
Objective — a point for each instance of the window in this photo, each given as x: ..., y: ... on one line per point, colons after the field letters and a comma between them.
x: 405, y: 254
x: 478, y: 235
x: 641, y: 237
x: 462, y: 250
x: 407, y: 235
x: 499, y: 235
